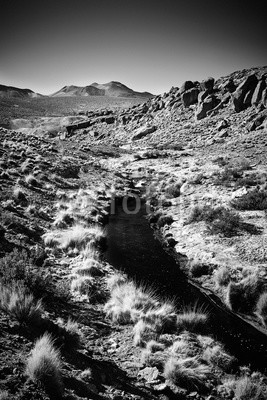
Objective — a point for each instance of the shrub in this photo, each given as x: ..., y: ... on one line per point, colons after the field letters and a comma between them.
x: 187, y: 373
x: 19, y: 304
x: 165, y: 220
x: 173, y: 191
x: 254, y: 200
x: 218, y: 219
x: 242, y: 296
x: 222, y: 276
x: 262, y: 307
x: 247, y: 389
x: 44, y: 366
x: 197, y: 268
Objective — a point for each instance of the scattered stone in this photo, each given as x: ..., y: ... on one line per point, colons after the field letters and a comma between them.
x: 143, y: 131
x: 149, y: 374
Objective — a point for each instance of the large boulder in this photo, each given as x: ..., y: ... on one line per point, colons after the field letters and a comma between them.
x: 257, y: 95
x: 207, y: 84
x: 187, y: 85
x: 229, y: 86
x: 208, y: 104
x: 248, y: 85
x: 143, y: 131
x: 190, y: 97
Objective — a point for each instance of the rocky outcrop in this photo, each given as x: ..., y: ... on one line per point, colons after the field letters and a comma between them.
x: 143, y: 131
x: 190, y: 97
x: 243, y: 94
x: 209, y: 103
x: 258, y: 93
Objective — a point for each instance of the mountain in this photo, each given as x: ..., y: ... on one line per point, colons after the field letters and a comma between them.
x: 110, y: 89
x: 79, y: 91
x: 11, y: 91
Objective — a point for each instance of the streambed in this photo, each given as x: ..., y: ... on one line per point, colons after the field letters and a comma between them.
x: 133, y: 249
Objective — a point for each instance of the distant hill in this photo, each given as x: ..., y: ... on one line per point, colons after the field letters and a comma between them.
x: 111, y: 89
x: 11, y: 91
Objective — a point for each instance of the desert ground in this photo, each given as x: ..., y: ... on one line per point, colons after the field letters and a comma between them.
x: 74, y: 326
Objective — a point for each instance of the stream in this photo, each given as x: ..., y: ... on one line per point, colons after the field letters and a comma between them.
x: 133, y: 249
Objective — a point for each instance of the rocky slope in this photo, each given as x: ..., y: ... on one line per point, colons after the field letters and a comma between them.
x: 197, y: 151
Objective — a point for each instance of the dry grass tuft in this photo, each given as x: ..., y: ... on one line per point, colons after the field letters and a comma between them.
x: 44, y: 366
x: 21, y: 305
x: 193, y: 319
x: 188, y: 373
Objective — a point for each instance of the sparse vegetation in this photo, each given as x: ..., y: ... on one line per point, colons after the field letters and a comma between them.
x: 218, y: 219
x: 256, y: 199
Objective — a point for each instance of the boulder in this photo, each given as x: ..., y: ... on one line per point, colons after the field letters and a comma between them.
x: 239, y: 95
x: 190, y: 97
x: 229, y: 86
x: 208, y: 104
x: 207, y: 84
x: 143, y: 131
x: 187, y: 85
x: 257, y: 95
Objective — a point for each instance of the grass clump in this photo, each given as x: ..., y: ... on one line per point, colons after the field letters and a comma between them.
x: 21, y: 305
x: 217, y: 356
x: 128, y: 302
x: 192, y: 319
x: 188, y: 373
x: 222, y: 276
x: 242, y: 296
x: 44, y: 366
x: 248, y: 389
x: 262, y: 308
x: 254, y: 200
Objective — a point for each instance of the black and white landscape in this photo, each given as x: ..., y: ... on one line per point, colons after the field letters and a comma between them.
x: 133, y: 198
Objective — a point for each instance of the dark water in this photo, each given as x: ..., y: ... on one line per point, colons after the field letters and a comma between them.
x: 133, y: 249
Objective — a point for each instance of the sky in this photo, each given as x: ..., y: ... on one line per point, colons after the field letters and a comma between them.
x: 148, y: 45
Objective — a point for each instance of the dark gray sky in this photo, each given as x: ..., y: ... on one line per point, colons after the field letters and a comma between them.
x: 146, y: 44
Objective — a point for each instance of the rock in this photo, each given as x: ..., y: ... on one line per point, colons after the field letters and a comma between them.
x: 190, y: 97
x: 229, y: 86
x: 187, y: 85
x: 202, y: 95
x: 222, y: 124
x: 149, y: 374
x: 207, y: 84
x: 239, y: 95
x: 143, y: 131
x: 258, y: 92
x: 208, y: 104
